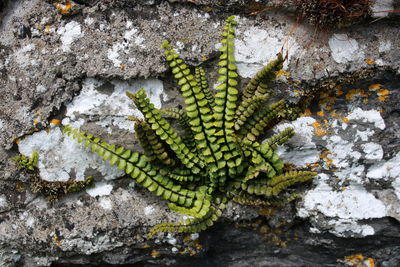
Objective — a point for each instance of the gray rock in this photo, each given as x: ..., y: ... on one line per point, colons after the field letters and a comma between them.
x: 75, y: 68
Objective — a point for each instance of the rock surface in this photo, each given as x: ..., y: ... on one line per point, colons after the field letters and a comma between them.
x: 62, y: 65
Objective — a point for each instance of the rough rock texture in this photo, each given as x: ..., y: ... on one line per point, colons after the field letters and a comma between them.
x: 75, y: 67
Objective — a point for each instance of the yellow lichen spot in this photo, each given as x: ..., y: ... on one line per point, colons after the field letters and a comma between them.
x: 47, y: 29
x: 155, y: 253
x: 358, y: 260
x: 319, y: 130
x: 63, y: 7
x: 122, y: 66
x: 56, y: 241
x: 197, y: 245
x: 282, y: 72
x: 35, y: 122
x: 38, y: 26
x: 339, y: 90
x: 334, y: 114
x: 383, y: 94
x: 353, y: 92
x: 324, y: 156
x: 307, y: 112
x: 320, y: 113
x: 346, y: 120
x: 343, y: 188
x: 145, y: 246
x: 203, y: 58
x: 55, y: 122
x: 370, y: 61
x: 375, y: 86
x: 365, y: 101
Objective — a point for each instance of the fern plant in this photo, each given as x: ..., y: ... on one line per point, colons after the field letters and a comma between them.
x: 219, y: 157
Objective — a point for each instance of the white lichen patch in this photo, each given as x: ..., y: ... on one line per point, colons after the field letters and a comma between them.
x: 106, y: 203
x: 344, y: 49
x: 384, y: 46
x: 60, y: 155
x: 373, y: 151
x: 342, y: 153
x: 30, y: 222
x: 346, y: 228
x: 381, y: 8
x: 306, y: 151
x: 114, y: 106
x: 22, y: 55
x: 100, y: 189
x: 69, y: 34
x: 255, y: 47
x: 352, y: 203
x: 386, y: 170
x: 370, y: 116
x: 148, y: 210
x: 132, y: 37
x: 3, y: 202
x: 113, y: 54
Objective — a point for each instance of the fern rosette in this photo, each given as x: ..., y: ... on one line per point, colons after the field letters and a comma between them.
x: 219, y: 156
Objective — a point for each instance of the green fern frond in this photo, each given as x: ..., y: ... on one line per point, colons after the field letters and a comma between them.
x: 193, y: 225
x: 166, y: 133
x: 258, y: 85
x: 225, y: 103
x: 280, y: 138
x: 154, y: 148
x: 246, y: 111
x: 135, y: 165
x: 264, y: 118
x: 201, y: 79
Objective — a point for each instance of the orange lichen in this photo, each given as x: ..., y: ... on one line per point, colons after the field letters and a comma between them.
x: 47, y: 29
x: 145, y: 246
x: 383, y: 94
x: 306, y: 112
x: 64, y: 8
x: 155, y: 253
x: 267, y: 211
x: 346, y: 120
x: 324, y: 156
x: 354, y: 92
x: 338, y: 90
x: 55, y: 240
x: 321, y: 113
x: 375, y: 86
x: 358, y: 260
x: 55, y: 122
x: 312, y: 166
x: 370, y: 61
x: 282, y: 72
x: 319, y: 130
